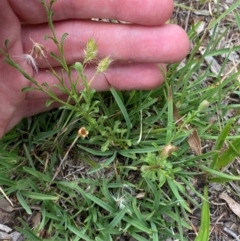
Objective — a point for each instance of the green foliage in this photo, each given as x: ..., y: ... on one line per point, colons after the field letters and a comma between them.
x: 158, y: 169
x: 119, y: 182
x: 204, y: 231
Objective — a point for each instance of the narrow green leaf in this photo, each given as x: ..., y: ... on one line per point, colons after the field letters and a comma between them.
x: 220, y: 174
x: 23, y: 202
x: 123, y: 109
x: 27, y: 232
x: 138, y: 237
x: 28, y: 156
x: 6, y: 42
x: 221, y: 51
x: 204, y: 230
x: 138, y: 214
x: 219, y: 179
x: 224, y: 14
x: 39, y: 196
x: 105, y: 191
x: 220, y: 141
x: 79, y: 233
x: 62, y: 40
x: 155, y: 232
x: 229, y: 155
x: 6, y: 181
x: 52, y: 38
x: 100, y: 203
x: 237, y: 16
x: 170, y: 125
x: 62, y: 88
x: 37, y: 174
x: 138, y: 225
x: 45, y: 135
x: 26, y: 89
x: 57, y: 58
x: 180, y: 200
x: 116, y: 221
x: 106, y: 163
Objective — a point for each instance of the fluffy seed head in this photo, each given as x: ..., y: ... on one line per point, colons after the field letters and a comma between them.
x: 28, y: 58
x: 104, y: 64
x: 90, y: 51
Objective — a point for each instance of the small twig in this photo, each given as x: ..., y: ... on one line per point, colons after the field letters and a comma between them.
x: 231, y: 233
x: 82, y: 132
x: 62, y: 161
x: 4, y: 194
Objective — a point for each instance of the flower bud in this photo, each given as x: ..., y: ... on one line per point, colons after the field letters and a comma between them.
x: 203, y: 105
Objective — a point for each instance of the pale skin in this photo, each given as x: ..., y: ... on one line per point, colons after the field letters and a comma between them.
x: 136, y: 48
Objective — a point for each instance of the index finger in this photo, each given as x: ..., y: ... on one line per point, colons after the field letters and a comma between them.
x: 148, y: 12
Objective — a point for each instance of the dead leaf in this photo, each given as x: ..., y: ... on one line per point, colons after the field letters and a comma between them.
x: 176, y: 116
x: 141, y: 195
x: 193, y: 139
x: 234, y: 206
x: 194, y: 142
x: 168, y: 150
x: 36, y: 220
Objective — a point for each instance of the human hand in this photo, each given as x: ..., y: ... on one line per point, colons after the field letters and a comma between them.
x: 136, y: 48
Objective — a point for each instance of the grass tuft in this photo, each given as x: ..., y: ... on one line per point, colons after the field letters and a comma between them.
x: 135, y: 164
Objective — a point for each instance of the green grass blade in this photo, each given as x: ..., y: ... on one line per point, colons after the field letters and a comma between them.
x: 27, y: 232
x: 170, y: 125
x: 138, y: 237
x: 123, y: 109
x: 220, y: 141
x: 177, y: 195
x: 106, y: 163
x: 100, y: 203
x: 118, y: 218
x: 225, y: 13
x: 39, y: 196
x: 229, y: 155
x: 79, y: 233
x: 237, y: 16
x: 204, y: 230
x: 23, y: 202
x: 220, y: 174
x: 138, y: 225
x: 155, y: 232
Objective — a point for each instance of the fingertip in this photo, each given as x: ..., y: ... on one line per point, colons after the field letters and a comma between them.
x: 180, y: 44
